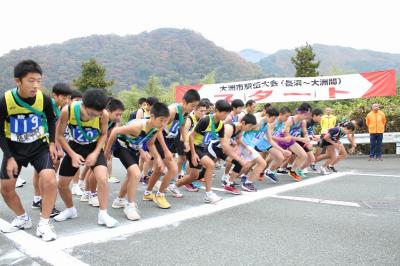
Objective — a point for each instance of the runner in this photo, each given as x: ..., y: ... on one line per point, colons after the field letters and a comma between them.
x: 26, y: 116
x: 127, y: 144
x: 331, y: 140
x: 88, y: 123
x: 169, y: 142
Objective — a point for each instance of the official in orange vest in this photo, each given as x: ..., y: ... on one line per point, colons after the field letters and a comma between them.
x: 376, y: 121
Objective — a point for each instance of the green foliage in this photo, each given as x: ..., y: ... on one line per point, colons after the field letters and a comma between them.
x: 304, y: 62
x: 154, y: 87
x: 93, y: 76
x: 130, y: 99
x: 210, y: 78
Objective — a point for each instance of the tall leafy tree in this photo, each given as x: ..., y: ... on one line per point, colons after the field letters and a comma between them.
x: 304, y: 62
x: 92, y: 76
x: 154, y: 88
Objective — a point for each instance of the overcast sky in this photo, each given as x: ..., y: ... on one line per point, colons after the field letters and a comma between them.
x: 263, y: 25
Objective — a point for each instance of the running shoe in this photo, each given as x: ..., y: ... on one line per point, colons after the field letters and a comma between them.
x: 131, y: 211
x: 107, y: 220
x: 333, y: 169
x: 37, y: 204
x: 46, y: 232
x: 324, y: 171
x: 76, y: 190
x: 94, y: 201
x: 271, y: 175
x: 232, y: 189
x: 282, y: 171
x: 175, y: 191
x: 54, y: 212
x: 300, y: 173
x: 113, y: 180
x: 191, y: 188
x: 211, y: 197
x: 119, y: 203
x: 313, y: 167
x: 66, y: 214
x: 20, y: 182
x: 18, y: 224
x: 243, y: 179
x: 148, y: 197
x: 161, y: 201
x: 295, y: 176
x: 249, y: 187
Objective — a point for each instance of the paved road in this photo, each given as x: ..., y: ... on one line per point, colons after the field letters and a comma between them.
x: 351, y: 218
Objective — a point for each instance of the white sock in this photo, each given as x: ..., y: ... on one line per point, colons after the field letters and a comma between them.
x: 208, y: 193
x: 23, y: 216
x: 146, y: 192
x: 93, y: 194
x: 160, y: 193
x: 102, y: 212
x: 43, y: 221
x: 37, y: 198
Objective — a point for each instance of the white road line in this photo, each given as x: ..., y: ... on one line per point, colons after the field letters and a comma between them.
x: 101, y: 235
x: 331, y: 202
x: 35, y: 247
x: 372, y: 174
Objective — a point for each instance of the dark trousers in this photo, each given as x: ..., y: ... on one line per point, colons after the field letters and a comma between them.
x: 376, y: 145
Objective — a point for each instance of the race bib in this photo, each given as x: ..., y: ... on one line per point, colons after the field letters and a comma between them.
x: 79, y: 137
x: 174, y: 130
x: 26, y: 129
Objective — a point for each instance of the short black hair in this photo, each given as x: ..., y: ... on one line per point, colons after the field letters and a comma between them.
x: 204, y: 103
x: 223, y: 106
x: 249, y: 119
x: 306, y: 106
x: 115, y: 104
x: 206, y: 100
x: 284, y: 110
x: 62, y: 89
x: 302, y: 109
x: 359, y: 122
x: 350, y: 126
x: 141, y: 100
x: 152, y: 100
x: 250, y: 102
x: 159, y: 110
x: 237, y: 103
x: 191, y: 96
x: 266, y: 106
x: 317, y: 112
x: 76, y: 94
x: 272, y: 111
x: 95, y: 99
x: 27, y: 66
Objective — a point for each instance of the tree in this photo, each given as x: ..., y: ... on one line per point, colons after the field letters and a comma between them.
x: 304, y: 62
x: 130, y: 99
x: 92, y: 76
x: 209, y: 78
x: 153, y: 88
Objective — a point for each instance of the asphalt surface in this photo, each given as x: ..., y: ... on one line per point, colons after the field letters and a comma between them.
x: 269, y: 231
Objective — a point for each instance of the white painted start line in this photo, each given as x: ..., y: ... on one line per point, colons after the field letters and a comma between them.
x: 331, y: 202
x: 55, y: 254
x: 372, y: 174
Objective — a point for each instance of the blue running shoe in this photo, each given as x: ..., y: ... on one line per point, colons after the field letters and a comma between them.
x: 271, y: 175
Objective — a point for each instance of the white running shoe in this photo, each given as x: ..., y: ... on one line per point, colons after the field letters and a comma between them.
x: 224, y: 179
x: 94, y: 201
x: 113, y: 180
x: 46, y: 232
x: 324, y: 170
x: 17, y: 224
x: 175, y: 191
x: 119, y: 203
x: 85, y: 197
x: 66, y: 214
x: 20, y: 182
x: 131, y: 211
x: 305, y: 170
x: 212, y: 198
x: 76, y: 190
x: 107, y: 220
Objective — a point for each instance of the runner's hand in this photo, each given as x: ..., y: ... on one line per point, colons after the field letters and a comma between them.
x: 92, y: 158
x: 53, y: 152
x: 195, y: 159
x: 12, y: 167
x: 77, y: 160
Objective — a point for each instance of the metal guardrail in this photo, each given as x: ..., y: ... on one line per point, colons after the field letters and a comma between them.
x: 390, y: 137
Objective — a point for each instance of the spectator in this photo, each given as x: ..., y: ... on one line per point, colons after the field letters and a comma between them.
x: 375, y: 121
x: 328, y: 120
